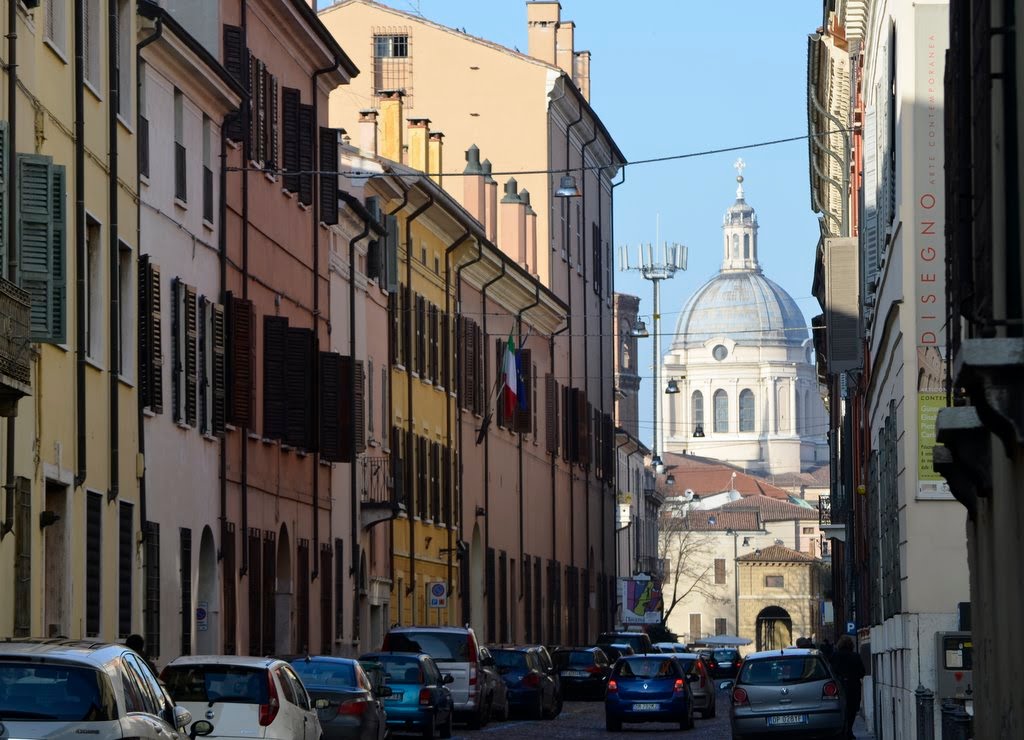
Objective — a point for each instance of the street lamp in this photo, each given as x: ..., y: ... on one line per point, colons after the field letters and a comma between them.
x: 672, y: 388
x: 639, y: 330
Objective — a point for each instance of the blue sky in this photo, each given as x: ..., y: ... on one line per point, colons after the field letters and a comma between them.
x: 673, y: 77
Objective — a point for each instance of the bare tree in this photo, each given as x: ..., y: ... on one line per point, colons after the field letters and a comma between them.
x: 689, y: 565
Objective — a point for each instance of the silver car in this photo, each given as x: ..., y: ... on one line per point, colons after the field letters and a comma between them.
x: 702, y: 686
x: 789, y: 693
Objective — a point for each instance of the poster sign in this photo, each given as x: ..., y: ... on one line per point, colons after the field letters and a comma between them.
x: 641, y: 600
x: 437, y: 595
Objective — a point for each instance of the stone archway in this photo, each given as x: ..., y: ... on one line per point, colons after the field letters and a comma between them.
x: 476, y: 581
x: 207, y: 597
x: 774, y: 628
x: 283, y: 594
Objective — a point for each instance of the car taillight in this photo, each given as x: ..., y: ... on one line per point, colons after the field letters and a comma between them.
x: 531, y: 680
x: 268, y: 711
x: 612, y: 686
x: 739, y: 696
x: 830, y: 690
x: 424, y: 697
x: 679, y: 686
x: 471, y: 650
x: 353, y: 707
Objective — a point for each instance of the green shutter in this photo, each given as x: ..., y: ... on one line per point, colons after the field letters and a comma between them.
x: 3, y: 197
x: 41, y: 258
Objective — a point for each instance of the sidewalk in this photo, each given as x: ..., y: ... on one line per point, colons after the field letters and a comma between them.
x: 860, y: 728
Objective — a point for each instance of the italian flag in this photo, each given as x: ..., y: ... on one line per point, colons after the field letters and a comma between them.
x: 510, y: 377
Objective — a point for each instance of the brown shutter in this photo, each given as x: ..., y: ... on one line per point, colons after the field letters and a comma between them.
x: 583, y: 424
x: 144, y: 301
x: 719, y: 570
x: 432, y: 344
x: 359, y: 406
x: 551, y: 414
x: 191, y: 366
x: 499, y: 371
x: 331, y: 394
x: 299, y: 358
x: 272, y: 139
x: 275, y: 407
x: 235, y: 61
x: 469, y: 365
x: 219, y: 416
x: 394, y: 307
x: 177, y: 361
x: 482, y: 393
x: 446, y: 351
x: 306, y: 135
x: 524, y: 406
x: 290, y: 101
x: 328, y: 175
x: 421, y: 336
x: 242, y: 319
x: 350, y: 388
x: 151, y: 359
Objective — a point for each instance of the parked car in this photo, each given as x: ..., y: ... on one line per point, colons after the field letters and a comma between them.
x: 726, y: 662
x: 583, y: 671
x: 457, y: 652
x: 244, y: 696
x: 648, y: 688
x: 639, y: 641
x: 547, y: 663
x: 51, y: 688
x: 670, y: 647
x: 530, y: 688
x: 420, y: 699
x: 614, y: 651
x: 354, y: 708
x: 787, y: 692
x: 702, y: 685
x: 493, y: 686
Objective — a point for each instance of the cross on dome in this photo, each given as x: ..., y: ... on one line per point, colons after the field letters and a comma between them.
x: 740, y: 165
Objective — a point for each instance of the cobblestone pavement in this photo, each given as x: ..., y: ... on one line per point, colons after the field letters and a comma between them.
x: 586, y: 720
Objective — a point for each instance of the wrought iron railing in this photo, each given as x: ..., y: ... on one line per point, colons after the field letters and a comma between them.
x: 15, y: 305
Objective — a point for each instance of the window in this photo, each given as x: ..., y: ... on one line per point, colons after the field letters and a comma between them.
x: 392, y: 63
x: 93, y: 290
x: 263, y: 89
x: 125, y: 58
x: 735, y: 245
x: 91, y: 37
x: 697, y: 408
x: 150, y: 338
x: 695, y: 632
x: 384, y: 403
x: 746, y: 246
x: 93, y: 562
x: 184, y: 360
x: 720, y: 352
x: 56, y: 23
x: 185, y: 576
x: 720, y: 625
x: 207, y: 170
x: 721, y: 411
x: 180, y: 171
x: 719, y: 571
x: 774, y: 582
x: 41, y: 219
x: 746, y: 410
x: 126, y: 305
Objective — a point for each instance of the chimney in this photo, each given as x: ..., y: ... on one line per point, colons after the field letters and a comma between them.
x: 419, y: 129
x: 434, y: 161
x: 368, y: 131
x: 564, y: 52
x: 473, y: 184
x: 513, y: 223
x: 541, y: 24
x: 490, y: 203
x: 391, y: 124
x: 531, y: 232
x: 582, y: 76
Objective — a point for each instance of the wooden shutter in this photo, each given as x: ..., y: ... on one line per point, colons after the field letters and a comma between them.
x: 550, y: 414
x: 299, y: 354
x: 290, y: 101
x: 695, y: 633
x: 242, y: 350
x: 185, y: 583
x: 145, y: 339
x: 177, y: 361
x: 235, y: 62
x: 719, y: 570
x: 391, y: 254
x: 583, y: 417
x: 432, y: 344
x: 331, y: 394
x: 306, y: 134
x: 328, y: 175
x: 272, y: 122
x: 125, y: 566
x: 41, y: 221
x: 93, y: 562
x: 421, y: 336
x: 348, y: 391
x: 499, y: 372
x: 524, y: 406
x: 191, y: 367
x: 446, y: 351
x: 597, y: 276
x: 218, y: 416
x: 359, y: 406
x: 468, y: 364
x: 151, y: 585
x: 608, y: 467
x: 275, y: 406
x: 481, y: 394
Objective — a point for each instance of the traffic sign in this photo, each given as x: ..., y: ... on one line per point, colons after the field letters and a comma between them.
x: 437, y: 595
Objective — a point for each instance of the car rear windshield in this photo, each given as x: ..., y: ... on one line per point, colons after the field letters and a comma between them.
x: 400, y: 668
x: 441, y: 646
x: 647, y: 668
x: 636, y: 640
x: 784, y: 669
x: 325, y: 673
x: 217, y: 683
x: 54, y: 692
x: 510, y: 659
x: 575, y: 657
x: 721, y: 655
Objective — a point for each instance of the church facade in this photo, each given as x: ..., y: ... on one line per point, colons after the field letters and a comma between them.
x: 743, y: 364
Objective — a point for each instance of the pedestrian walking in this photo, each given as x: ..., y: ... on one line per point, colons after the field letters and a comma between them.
x: 138, y: 644
x: 849, y: 668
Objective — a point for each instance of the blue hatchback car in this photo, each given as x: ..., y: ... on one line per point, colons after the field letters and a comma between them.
x: 648, y: 688
x: 420, y: 700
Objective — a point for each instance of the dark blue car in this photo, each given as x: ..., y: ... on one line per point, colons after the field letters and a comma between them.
x: 648, y: 688
x: 531, y: 689
x: 420, y: 701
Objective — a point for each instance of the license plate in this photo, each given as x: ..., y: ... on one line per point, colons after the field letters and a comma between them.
x: 574, y: 674
x: 645, y: 707
x: 395, y: 696
x: 787, y: 719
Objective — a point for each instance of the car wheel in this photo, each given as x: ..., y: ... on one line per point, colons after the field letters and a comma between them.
x: 446, y: 728
x: 612, y: 725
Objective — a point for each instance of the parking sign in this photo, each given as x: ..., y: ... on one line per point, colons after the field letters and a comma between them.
x: 437, y: 595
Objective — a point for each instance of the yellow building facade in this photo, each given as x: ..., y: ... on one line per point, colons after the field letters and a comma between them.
x: 72, y: 509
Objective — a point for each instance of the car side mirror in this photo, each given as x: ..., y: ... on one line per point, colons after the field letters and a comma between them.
x: 201, y: 729
x: 383, y: 692
x: 321, y: 703
x: 448, y: 678
x: 182, y: 718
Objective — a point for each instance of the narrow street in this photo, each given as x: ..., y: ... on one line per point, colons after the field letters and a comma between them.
x: 585, y: 719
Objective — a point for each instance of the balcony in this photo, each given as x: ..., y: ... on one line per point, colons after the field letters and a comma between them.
x: 831, y: 519
x: 379, y: 499
x: 15, y: 354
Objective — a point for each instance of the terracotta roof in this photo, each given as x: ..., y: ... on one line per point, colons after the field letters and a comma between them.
x: 706, y: 477
x: 740, y: 521
x: 777, y: 554
x: 771, y: 509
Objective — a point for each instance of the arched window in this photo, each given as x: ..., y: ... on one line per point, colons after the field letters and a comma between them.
x: 721, y: 411
x: 697, y: 408
x: 746, y: 410
x: 746, y: 246
x: 736, y: 245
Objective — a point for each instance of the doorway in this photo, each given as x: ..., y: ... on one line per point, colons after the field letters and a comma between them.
x: 774, y: 628
x: 207, y: 597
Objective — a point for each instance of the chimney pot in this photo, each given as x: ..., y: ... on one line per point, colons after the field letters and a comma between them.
x: 391, y: 144
x: 419, y: 129
x: 473, y: 188
x: 473, y: 166
x: 368, y: 131
x: 434, y: 152
x: 511, y: 191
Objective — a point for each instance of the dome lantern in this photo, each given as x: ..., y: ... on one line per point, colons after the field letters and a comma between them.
x: 739, y: 229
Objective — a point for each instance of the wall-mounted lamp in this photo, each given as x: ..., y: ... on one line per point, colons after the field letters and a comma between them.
x: 670, y: 480
x: 656, y: 461
x: 698, y: 431
x: 46, y: 518
x: 481, y: 511
x: 567, y: 187
x: 672, y: 387
x: 639, y: 330
x: 746, y: 542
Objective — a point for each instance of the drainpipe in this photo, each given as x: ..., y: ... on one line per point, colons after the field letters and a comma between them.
x: 80, y: 254
x: 246, y: 145
x: 411, y: 588
x: 519, y: 331
x: 554, y: 456
x: 452, y: 373
x: 586, y: 358
x: 457, y: 358
x: 114, y: 371
x: 141, y: 417
x: 487, y: 436
x: 393, y: 308
x: 12, y: 235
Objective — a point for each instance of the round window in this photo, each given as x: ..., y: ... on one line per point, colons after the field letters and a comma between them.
x: 719, y: 352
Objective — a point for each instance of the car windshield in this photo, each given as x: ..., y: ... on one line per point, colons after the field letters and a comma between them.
x: 217, y: 683
x: 325, y: 673
x: 510, y: 659
x: 441, y: 646
x: 53, y: 692
x: 576, y: 657
x: 784, y: 669
x: 647, y: 668
x: 400, y: 668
